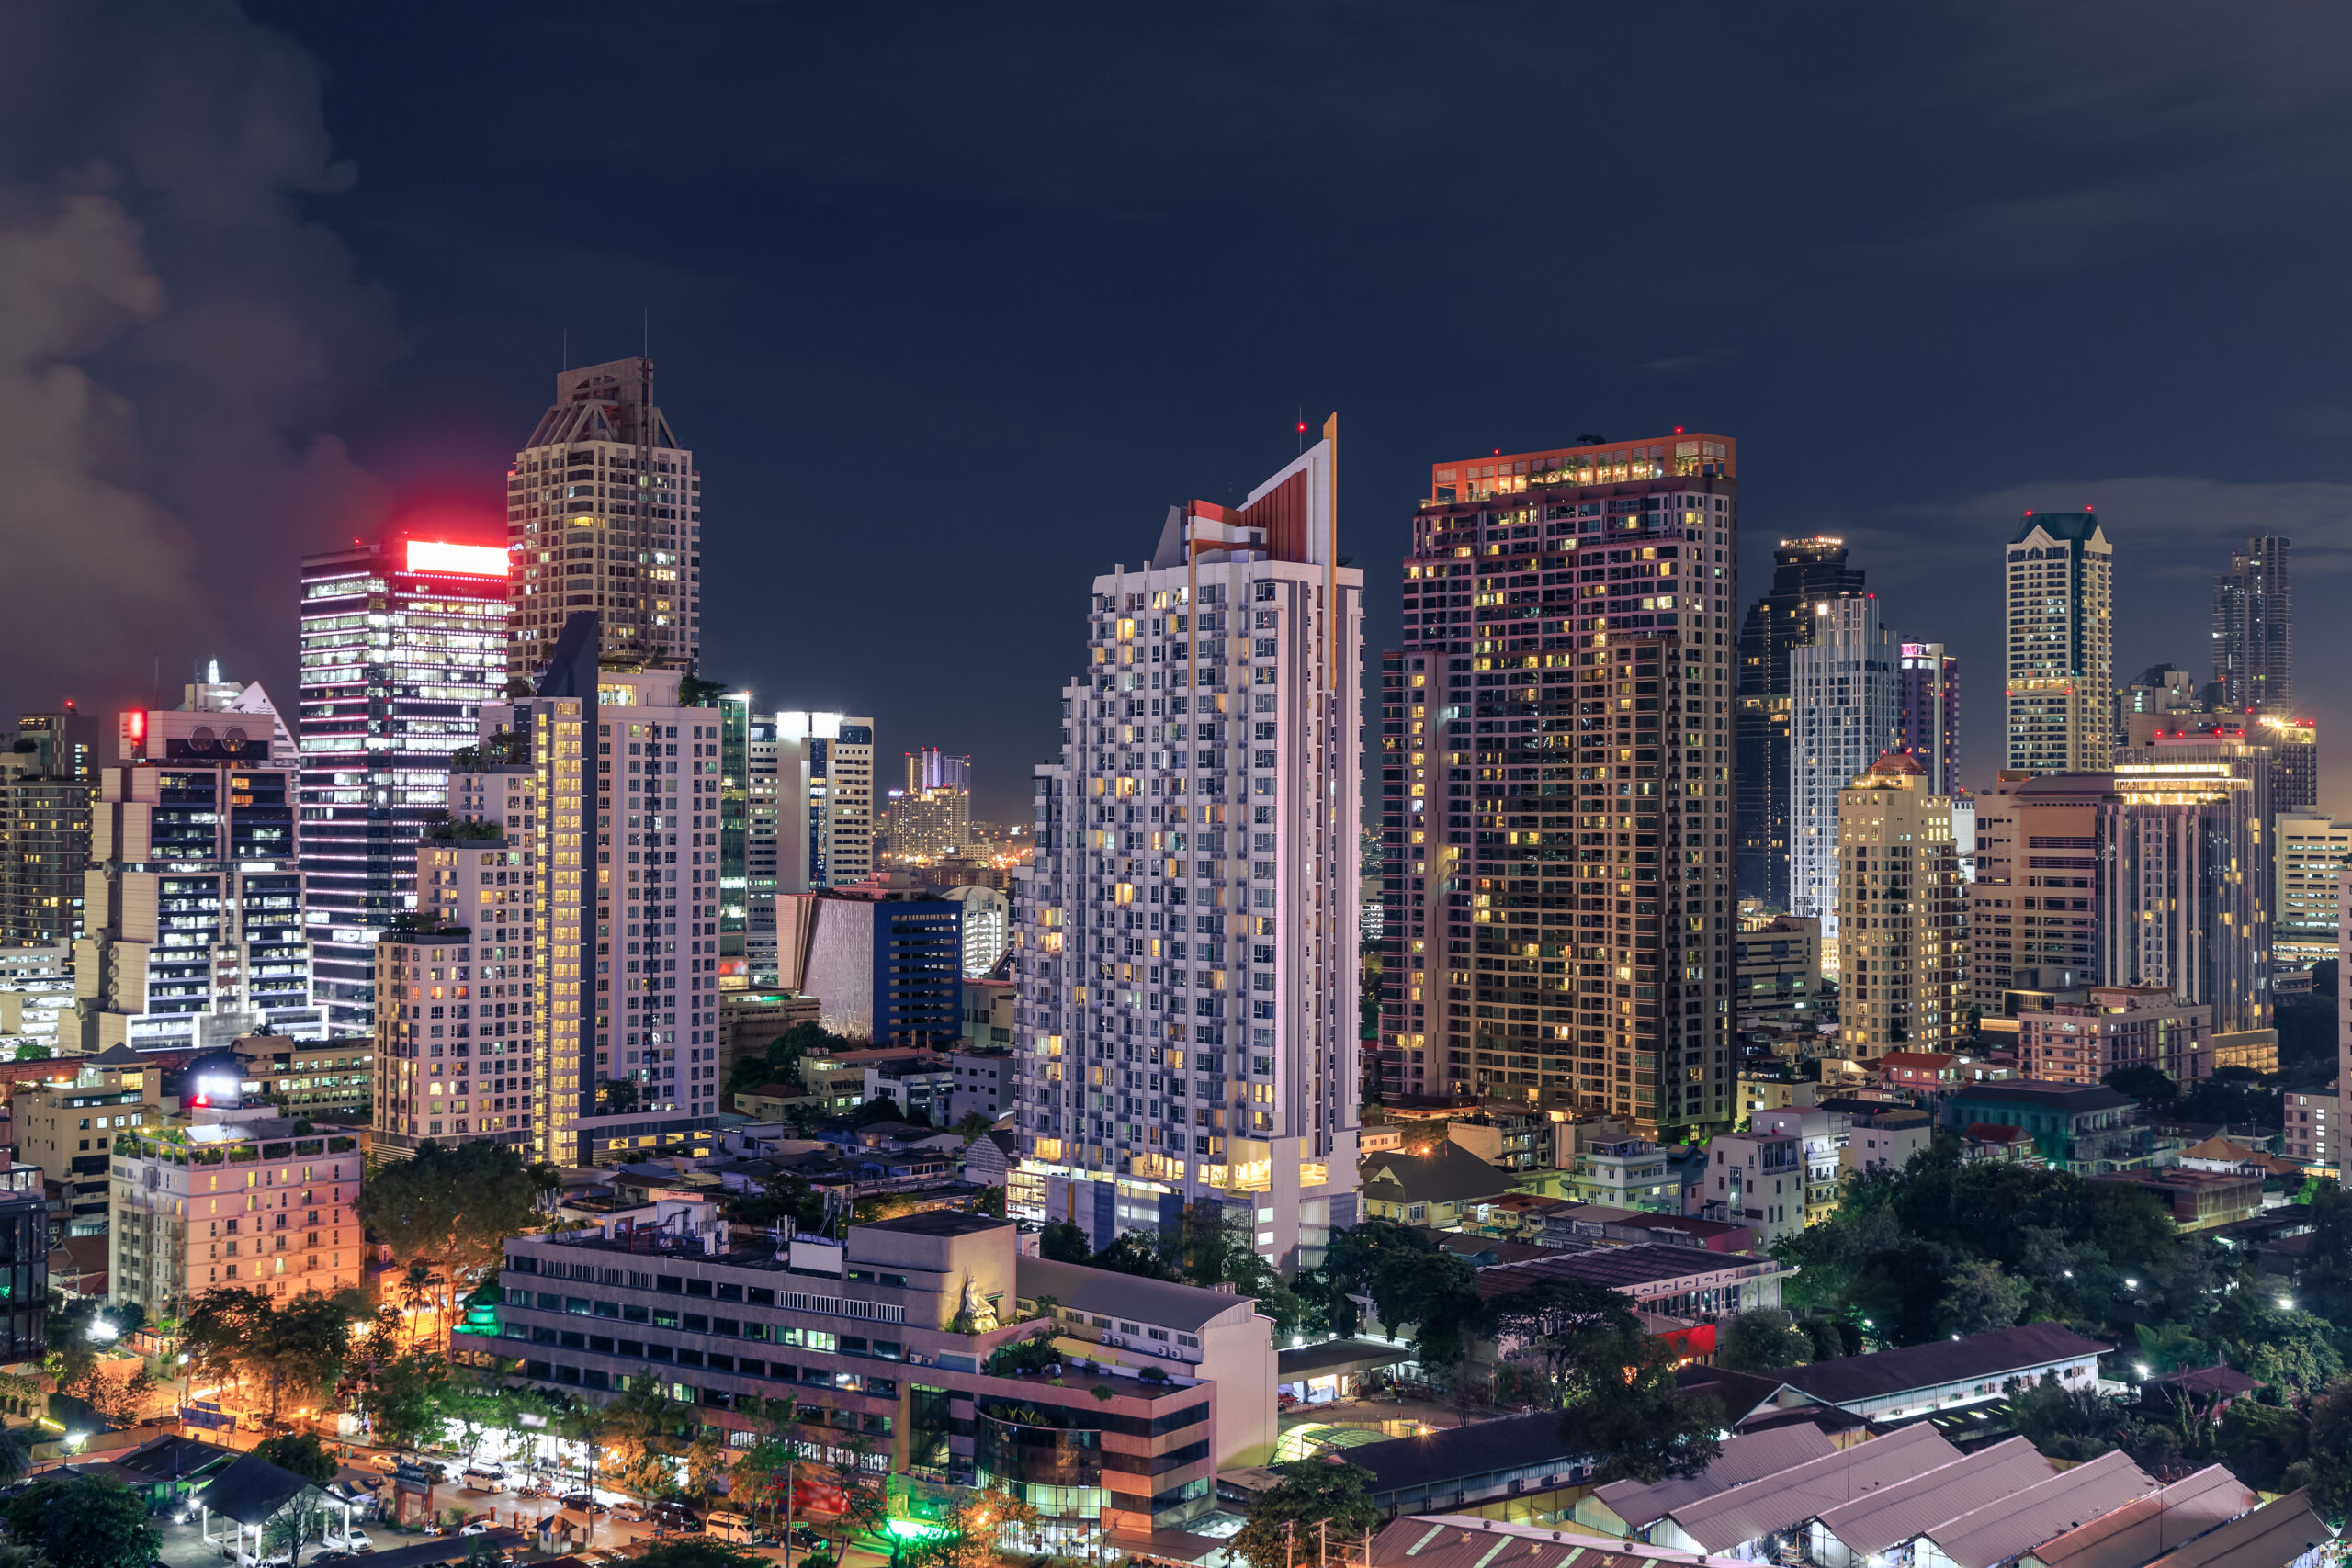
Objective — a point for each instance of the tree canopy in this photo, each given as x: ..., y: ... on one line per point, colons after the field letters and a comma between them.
x: 1316, y: 1497
x: 83, y: 1521
x: 453, y: 1205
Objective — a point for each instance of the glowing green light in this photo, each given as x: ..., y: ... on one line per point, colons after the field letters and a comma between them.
x: 914, y: 1529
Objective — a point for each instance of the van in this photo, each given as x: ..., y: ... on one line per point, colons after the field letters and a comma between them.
x: 485, y: 1478
x: 735, y: 1528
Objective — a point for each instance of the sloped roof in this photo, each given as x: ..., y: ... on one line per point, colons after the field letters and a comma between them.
x: 1510, y: 1442
x: 1988, y: 1356
x: 2073, y: 1098
x: 251, y: 1491
x: 1791, y: 1497
x: 1909, y: 1509
x: 2017, y: 1524
x: 174, y: 1459
x: 1743, y: 1460
x: 2276, y: 1533
x: 2146, y: 1527
x: 1447, y: 1174
x: 1459, y: 1540
x: 1159, y: 1303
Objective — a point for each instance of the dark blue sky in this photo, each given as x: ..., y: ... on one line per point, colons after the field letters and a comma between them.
x: 952, y: 302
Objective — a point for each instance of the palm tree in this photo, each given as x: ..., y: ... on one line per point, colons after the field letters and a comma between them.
x: 417, y: 1287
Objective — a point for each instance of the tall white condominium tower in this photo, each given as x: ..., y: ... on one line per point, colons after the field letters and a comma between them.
x: 1186, y: 933
x: 192, y: 928
x: 500, y: 1022
x: 2183, y: 869
x: 604, y: 512
x: 403, y: 640
x: 1842, y: 700
x: 2254, y: 629
x: 2061, y: 644
x: 824, y: 800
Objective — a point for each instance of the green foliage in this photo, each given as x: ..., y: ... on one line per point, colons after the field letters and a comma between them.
x: 2327, y: 1468
x: 1063, y: 1242
x: 2065, y: 1423
x: 83, y: 1522
x: 295, y: 1349
x: 2233, y: 1095
x: 1542, y: 1324
x: 699, y: 1552
x: 405, y: 1401
x: 1135, y: 1254
x: 2259, y: 1442
x: 990, y: 1203
x: 881, y: 1108
x: 974, y: 1126
x: 1283, y: 1522
x: 1432, y: 1292
x: 34, y: 1053
x: 1980, y: 1297
x: 788, y: 1200
x: 2150, y: 1085
x: 300, y: 1452
x: 1624, y: 1408
x: 453, y: 1206
x: 1762, y: 1339
x: 1349, y: 1263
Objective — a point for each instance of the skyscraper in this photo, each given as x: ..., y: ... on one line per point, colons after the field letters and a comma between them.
x: 580, y: 1068
x: 1842, y: 691
x: 1556, y: 784
x: 933, y: 816
x: 824, y: 800
x: 403, y: 641
x: 1185, y: 934
x: 1926, y: 713
x: 193, y: 924
x: 2061, y: 677
x: 47, y: 786
x: 1805, y: 573
x: 1901, y: 959
x: 604, y: 512
x: 2185, y: 875
x: 2254, y: 629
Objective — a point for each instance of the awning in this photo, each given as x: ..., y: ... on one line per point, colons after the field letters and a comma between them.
x: 1338, y: 1357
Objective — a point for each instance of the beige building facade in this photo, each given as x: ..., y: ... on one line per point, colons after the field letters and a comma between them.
x: 1903, y: 958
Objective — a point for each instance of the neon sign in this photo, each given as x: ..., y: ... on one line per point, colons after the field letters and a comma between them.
x: 466, y: 560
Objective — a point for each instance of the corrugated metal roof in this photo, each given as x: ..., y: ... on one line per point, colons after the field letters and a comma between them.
x: 2270, y: 1537
x: 1743, y: 1460
x: 1990, y: 1356
x: 2023, y: 1520
x: 1909, y: 1509
x: 1791, y: 1496
x: 2146, y: 1527
x: 1456, y: 1540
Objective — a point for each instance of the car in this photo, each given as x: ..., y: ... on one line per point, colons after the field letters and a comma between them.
x: 331, y: 1557
x: 738, y: 1528
x: 479, y: 1527
x: 485, y: 1478
x: 387, y: 1462
x: 356, y: 1539
x: 581, y: 1502
x: 805, y: 1535
x: 673, y: 1516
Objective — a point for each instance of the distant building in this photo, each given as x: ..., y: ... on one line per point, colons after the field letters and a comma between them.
x: 2031, y: 906
x: 2313, y: 1134
x: 1805, y: 574
x: 67, y: 1126
x: 2183, y: 879
x: 1842, y: 687
x: 2197, y: 1199
x: 2082, y: 1130
x: 982, y: 1087
x: 1438, y: 1188
x: 46, y: 787
x: 988, y: 927
x: 2061, y: 654
x: 2312, y: 848
x: 824, y: 801
x: 1778, y: 964
x: 884, y: 969
x: 2294, y: 761
x: 1901, y: 961
x: 2114, y: 1027
x: 991, y: 1012
x: 1926, y: 713
x: 2254, y: 629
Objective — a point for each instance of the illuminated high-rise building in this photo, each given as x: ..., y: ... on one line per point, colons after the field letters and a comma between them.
x: 48, y: 781
x: 604, y: 514
x: 403, y: 640
x: 1843, y: 687
x: 1902, y: 960
x: 824, y: 800
x: 1186, y: 933
x: 2060, y: 647
x: 1556, y: 759
x: 2253, y: 630
x: 1926, y: 713
x: 1805, y: 573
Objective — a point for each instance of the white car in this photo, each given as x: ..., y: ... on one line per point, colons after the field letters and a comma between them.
x: 280, y: 1558
x: 477, y: 1527
x: 485, y: 1478
x: 355, y: 1540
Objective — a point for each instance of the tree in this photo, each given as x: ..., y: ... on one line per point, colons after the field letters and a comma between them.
x: 2327, y: 1469
x: 1434, y: 1294
x: 2261, y: 1442
x: 453, y: 1207
x: 699, y: 1552
x: 84, y: 1522
x: 647, y: 1429
x: 295, y: 1525
x: 967, y: 1530
x: 1063, y: 1242
x: 1314, y: 1495
x: 973, y: 1126
x: 1626, y: 1410
x: 2071, y: 1424
x: 300, y: 1453
x: 407, y: 1400
x: 1350, y: 1261
x: 1761, y: 1339
x: 34, y: 1053
x: 990, y: 1203
x: 1548, y: 1319
x: 2149, y: 1086
x: 1980, y: 1297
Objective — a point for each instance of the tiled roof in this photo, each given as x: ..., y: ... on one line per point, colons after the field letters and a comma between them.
x: 1447, y: 1174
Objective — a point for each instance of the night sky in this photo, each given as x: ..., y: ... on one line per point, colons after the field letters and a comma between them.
x: 952, y: 302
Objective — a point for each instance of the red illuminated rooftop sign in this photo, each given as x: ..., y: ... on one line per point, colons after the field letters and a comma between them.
x: 462, y: 560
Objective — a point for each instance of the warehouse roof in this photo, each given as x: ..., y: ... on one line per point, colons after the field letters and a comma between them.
x: 1460, y: 1540
x: 1510, y: 1442
x: 1621, y: 1268
x: 1979, y: 1357
x: 1909, y: 1509
x: 1789, y: 1497
x: 2278, y: 1531
x: 2147, y: 1527
x: 1743, y: 1460
x: 2017, y: 1524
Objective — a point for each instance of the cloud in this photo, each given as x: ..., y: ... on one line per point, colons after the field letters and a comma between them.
x: 176, y: 336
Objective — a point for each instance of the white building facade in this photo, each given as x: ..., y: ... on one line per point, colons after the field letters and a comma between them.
x: 2061, y: 647
x: 1842, y: 692
x: 1185, y: 936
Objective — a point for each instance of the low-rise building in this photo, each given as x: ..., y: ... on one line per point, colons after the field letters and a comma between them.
x: 308, y: 1078
x: 1515, y: 1141
x: 2312, y: 1133
x: 924, y: 1342
x: 1624, y: 1173
x: 922, y: 1086
x: 750, y: 1021
x: 1882, y: 1137
x: 1693, y: 1282
x: 2082, y: 1130
x: 1757, y: 1179
x: 67, y: 1125
x: 989, y: 1014
x: 2118, y: 1026
x: 1437, y: 1189
x: 2197, y: 1199
x: 982, y: 1084
x: 1778, y: 959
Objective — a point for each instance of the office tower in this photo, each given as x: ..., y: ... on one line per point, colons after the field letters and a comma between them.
x: 2029, y: 909
x: 403, y: 640
x: 1805, y: 573
x: 884, y: 966
x: 1186, y: 931
x: 760, y: 850
x: 578, y: 1068
x: 46, y: 790
x: 987, y: 926
x: 1926, y: 713
x: 604, y: 514
x: 2160, y: 697
x: 1902, y: 960
x: 824, y: 798
x: 931, y: 823
x: 735, y: 725
x: 1556, y: 784
x: 2254, y: 629
x: 1842, y: 692
x: 2061, y: 644
x: 1963, y: 832
x: 2294, y: 761
x: 933, y: 769
x: 2312, y: 848
x: 192, y: 897
x: 2183, y: 875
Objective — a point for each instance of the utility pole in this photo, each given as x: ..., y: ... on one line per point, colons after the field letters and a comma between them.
x: 1290, y: 1528
x: 1322, y: 1541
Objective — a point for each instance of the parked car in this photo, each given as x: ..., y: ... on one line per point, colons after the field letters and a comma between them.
x: 387, y: 1462
x: 581, y: 1502
x: 485, y: 1478
x: 806, y: 1536
x: 674, y: 1516
x: 479, y: 1527
x: 736, y: 1528
x: 355, y: 1540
